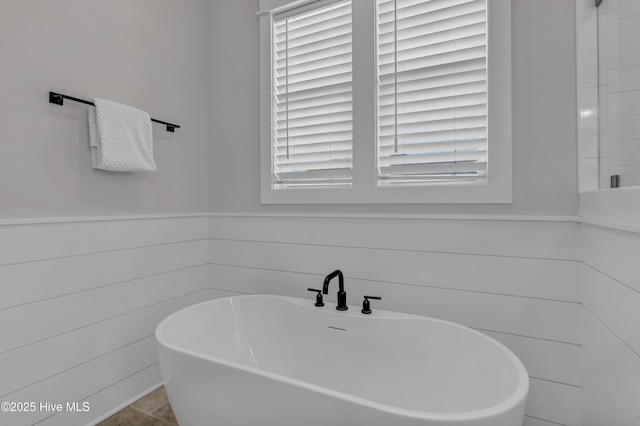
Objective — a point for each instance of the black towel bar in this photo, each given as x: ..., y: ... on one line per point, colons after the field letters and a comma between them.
x: 58, y: 99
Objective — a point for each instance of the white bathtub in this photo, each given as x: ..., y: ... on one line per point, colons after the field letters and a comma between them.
x: 280, y: 361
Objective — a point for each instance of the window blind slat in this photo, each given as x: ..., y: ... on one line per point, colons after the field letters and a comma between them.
x: 436, y: 136
x: 472, y: 122
x: 456, y: 66
x: 427, y: 147
x: 318, y: 156
x: 301, y: 166
x: 325, y: 127
x: 318, y: 176
x: 451, y: 168
x: 299, y: 47
x: 439, y: 29
x: 386, y: 6
x: 333, y: 48
x: 315, y: 16
x: 316, y: 148
x: 304, y: 112
x: 435, y: 60
x: 312, y: 74
x: 430, y: 105
x: 322, y: 118
x: 328, y: 138
x: 433, y: 115
x: 435, y: 19
x: 432, y: 178
x: 434, y: 9
x: 310, y: 98
x: 434, y: 158
x: 450, y: 80
x: 418, y: 50
x: 313, y: 83
x: 432, y: 92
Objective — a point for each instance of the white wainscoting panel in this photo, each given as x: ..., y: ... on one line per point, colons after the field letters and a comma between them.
x: 500, y: 237
x: 29, y: 282
x: 129, y: 389
x: 81, y: 300
x: 532, y: 421
x: 488, y: 274
x: 50, y: 240
x: 610, y: 320
x: 550, y: 400
x: 536, y: 318
x: 601, y: 403
x: 122, y: 393
x: 516, y: 280
x: 545, y: 359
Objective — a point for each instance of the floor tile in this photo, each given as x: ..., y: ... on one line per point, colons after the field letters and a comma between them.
x: 152, y: 401
x: 130, y: 416
x: 165, y: 413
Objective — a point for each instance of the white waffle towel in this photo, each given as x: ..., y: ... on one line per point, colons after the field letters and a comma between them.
x: 120, y: 137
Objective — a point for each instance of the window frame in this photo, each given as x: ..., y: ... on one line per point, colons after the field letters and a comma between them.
x: 497, y: 189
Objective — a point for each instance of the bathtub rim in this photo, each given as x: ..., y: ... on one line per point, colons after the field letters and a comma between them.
x: 517, y: 397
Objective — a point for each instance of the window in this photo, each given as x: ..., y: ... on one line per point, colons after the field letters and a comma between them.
x: 312, y: 97
x: 432, y: 91
x: 385, y: 101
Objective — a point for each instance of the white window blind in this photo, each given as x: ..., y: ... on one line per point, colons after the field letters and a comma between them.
x: 432, y: 90
x: 312, y: 140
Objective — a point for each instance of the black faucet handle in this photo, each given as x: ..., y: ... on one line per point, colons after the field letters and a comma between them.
x: 319, y: 301
x: 366, y: 306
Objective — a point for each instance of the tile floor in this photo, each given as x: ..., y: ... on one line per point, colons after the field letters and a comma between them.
x: 150, y: 410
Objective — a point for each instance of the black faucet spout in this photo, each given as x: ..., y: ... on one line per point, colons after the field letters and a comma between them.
x: 342, y: 295
x: 338, y: 273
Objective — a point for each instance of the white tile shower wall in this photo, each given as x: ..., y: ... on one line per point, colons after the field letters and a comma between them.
x: 81, y: 300
x: 619, y: 58
x: 610, y: 296
x: 588, y: 96
x: 513, y: 279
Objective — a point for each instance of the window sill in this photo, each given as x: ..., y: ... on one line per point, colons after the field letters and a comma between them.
x: 450, y: 193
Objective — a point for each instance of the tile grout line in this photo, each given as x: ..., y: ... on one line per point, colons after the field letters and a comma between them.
x: 143, y: 413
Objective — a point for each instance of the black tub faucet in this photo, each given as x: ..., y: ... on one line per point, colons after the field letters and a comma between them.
x: 342, y: 296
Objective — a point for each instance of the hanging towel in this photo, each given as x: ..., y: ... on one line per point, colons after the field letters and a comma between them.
x: 120, y: 137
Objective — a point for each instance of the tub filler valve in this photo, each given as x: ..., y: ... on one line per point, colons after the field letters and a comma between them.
x: 342, y: 295
x: 319, y: 301
x: 366, y: 306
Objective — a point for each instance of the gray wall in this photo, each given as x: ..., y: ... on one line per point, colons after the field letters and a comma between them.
x: 195, y: 62
x: 151, y: 54
x: 544, y: 98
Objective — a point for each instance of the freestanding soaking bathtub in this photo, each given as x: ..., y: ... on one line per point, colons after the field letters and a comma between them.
x: 280, y: 361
